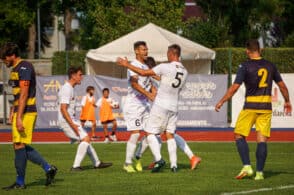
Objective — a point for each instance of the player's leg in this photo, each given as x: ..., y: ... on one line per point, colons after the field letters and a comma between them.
x: 114, y: 128
x: 157, y: 119
x: 182, y: 144
x: 142, y: 146
x: 134, y: 116
x: 93, y: 129
x: 20, y: 162
x: 105, y: 130
x: 243, y: 126
x: 262, y: 124
x: 84, y: 148
x: 32, y: 154
x: 130, y: 150
x: 172, y: 151
x: 23, y: 152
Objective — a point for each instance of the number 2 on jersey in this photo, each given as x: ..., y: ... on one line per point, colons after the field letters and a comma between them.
x: 263, y: 74
x: 178, y: 77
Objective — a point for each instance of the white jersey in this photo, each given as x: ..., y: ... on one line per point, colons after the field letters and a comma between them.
x: 134, y: 95
x: 66, y: 96
x: 90, y: 99
x: 173, y: 77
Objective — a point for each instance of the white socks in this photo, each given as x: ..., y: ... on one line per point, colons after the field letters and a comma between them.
x: 154, y: 147
x: 93, y: 155
x: 131, y: 147
x: 172, y: 151
x: 81, y: 152
x: 182, y: 144
x: 142, y: 147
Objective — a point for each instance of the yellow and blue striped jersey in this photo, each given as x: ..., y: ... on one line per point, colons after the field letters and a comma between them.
x: 258, y: 75
x: 23, y: 71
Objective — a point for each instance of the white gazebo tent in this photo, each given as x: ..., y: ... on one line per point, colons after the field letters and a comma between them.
x: 195, y: 57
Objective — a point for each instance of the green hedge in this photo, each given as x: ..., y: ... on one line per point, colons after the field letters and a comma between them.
x: 75, y: 58
x: 282, y: 57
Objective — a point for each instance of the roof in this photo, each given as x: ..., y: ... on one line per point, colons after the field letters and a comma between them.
x: 157, y: 39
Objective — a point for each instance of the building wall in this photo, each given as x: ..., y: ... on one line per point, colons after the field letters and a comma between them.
x: 56, y: 38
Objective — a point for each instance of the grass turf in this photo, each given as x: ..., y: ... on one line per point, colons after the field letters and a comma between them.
x: 215, y: 175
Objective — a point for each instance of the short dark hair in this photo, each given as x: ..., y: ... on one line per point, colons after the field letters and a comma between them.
x: 176, y: 49
x: 73, y: 70
x: 105, y: 89
x: 252, y: 45
x: 89, y: 88
x: 150, y: 62
x: 9, y: 49
x: 138, y: 44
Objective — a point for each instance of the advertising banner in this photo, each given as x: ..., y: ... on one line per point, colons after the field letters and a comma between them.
x: 196, y: 105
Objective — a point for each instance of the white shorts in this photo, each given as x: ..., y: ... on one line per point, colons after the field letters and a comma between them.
x: 160, y: 120
x: 69, y: 132
x: 135, y: 115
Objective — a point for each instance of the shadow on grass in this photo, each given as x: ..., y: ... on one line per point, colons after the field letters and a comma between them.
x: 167, y: 166
x: 41, y: 182
x: 276, y: 173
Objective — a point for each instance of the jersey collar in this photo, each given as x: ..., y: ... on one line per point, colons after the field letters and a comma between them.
x: 258, y: 58
x: 17, y: 63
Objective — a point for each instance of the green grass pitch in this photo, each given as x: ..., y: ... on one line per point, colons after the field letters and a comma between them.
x: 215, y: 175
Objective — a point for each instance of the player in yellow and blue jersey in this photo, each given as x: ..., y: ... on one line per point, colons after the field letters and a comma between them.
x: 258, y: 75
x: 23, y: 83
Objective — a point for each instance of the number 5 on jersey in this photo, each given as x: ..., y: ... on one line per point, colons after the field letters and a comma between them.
x: 178, y: 77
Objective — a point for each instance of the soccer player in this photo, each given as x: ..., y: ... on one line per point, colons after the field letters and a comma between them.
x: 106, y: 116
x: 88, y: 110
x: 258, y: 75
x: 164, y: 112
x: 181, y: 143
x: 72, y: 127
x: 136, y: 106
x: 23, y: 82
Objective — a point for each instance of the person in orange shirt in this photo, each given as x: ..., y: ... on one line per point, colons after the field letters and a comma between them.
x: 88, y: 110
x: 106, y: 105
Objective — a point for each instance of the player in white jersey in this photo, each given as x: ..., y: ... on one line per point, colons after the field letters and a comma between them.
x: 136, y: 106
x: 164, y: 112
x: 181, y: 143
x: 72, y: 127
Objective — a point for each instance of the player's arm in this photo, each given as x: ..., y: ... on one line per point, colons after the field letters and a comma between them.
x: 65, y: 114
x: 11, y: 113
x: 142, y: 72
x: 231, y: 91
x: 156, y: 77
x: 284, y: 90
x: 139, y: 88
x: 23, y: 97
x: 83, y: 102
x: 99, y: 103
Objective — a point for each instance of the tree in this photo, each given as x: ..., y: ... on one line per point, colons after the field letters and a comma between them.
x: 18, y: 24
x: 104, y: 21
x: 248, y: 19
x: 68, y: 9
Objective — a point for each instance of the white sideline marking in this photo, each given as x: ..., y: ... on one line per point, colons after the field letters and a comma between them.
x: 259, y: 190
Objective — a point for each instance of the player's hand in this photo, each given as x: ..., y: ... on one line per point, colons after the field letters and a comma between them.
x: 218, y: 106
x: 19, y: 125
x: 288, y: 108
x: 152, y: 96
x: 122, y: 61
